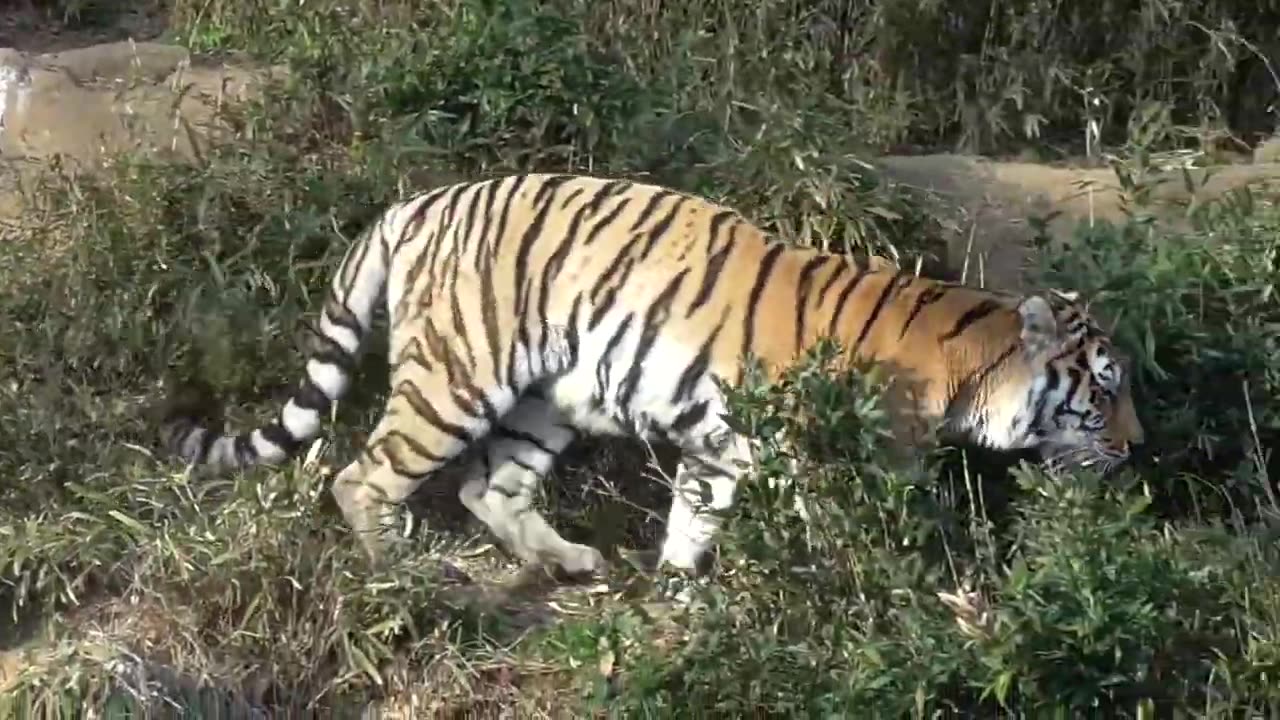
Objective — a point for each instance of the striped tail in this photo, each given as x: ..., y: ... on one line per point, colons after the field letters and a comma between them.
x: 345, y: 319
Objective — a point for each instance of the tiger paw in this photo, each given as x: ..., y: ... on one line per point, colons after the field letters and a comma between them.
x: 583, y: 561
x: 679, y: 587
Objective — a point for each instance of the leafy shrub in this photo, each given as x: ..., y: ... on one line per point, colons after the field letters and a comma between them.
x: 980, y: 75
x: 882, y: 599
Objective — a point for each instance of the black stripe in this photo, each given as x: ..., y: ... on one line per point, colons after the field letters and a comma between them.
x: 309, y: 396
x: 604, y: 304
x: 572, y: 196
x: 446, y: 229
x: 504, y: 491
x: 409, y: 233
x: 928, y: 296
x: 970, y: 316
x: 412, y: 352
x: 512, y: 348
x: 711, y: 276
x: 339, y: 314
x: 436, y: 244
x: 508, y: 433
x: 349, y: 272
x: 1051, y: 383
x: 440, y: 350
x: 654, y: 320
x: 327, y: 350
x: 606, y: 361
x: 545, y: 330
x: 1076, y: 377
x: 965, y: 392
x: 572, y: 337
x: 206, y: 444
x: 980, y: 377
x: 589, y: 209
x: 453, y: 265
x: 452, y: 208
x: 468, y: 222
x: 279, y: 435
x: 802, y: 295
x: 245, y: 454
x: 424, y: 409
x: 606, y: 221
x: 618, y: 266
x: 488, y: 195
x: 545, y: 195
x: 525, y: 467
x: 460, y: 328
x: 842, y: 299
x: 706, y: 469
x: 489, y: 317
x: 412, y: 225
x: 508, y: 200
x: 695, y: 370
x: 478, y: 398
x: 412, y: 277
x: 757, y: 290
x: 831, y: 281
x: 551, y: 270
x: 606, y: 191
x: 521, y: 343
x: 660, y: 229
x: 384, y: 239
x: 649, y: 208
x: 383, y: 444
x: 889, y: 289
x: 713, y: 229
x: 689, y: 417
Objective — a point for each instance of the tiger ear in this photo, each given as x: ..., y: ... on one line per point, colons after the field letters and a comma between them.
x: 1073, y: 297
x: 1039, y: 326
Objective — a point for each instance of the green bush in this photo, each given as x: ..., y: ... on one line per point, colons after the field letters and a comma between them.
x: 977, y: 74
x: 884, y: 599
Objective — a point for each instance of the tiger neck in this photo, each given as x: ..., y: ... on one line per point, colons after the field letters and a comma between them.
x: 989, y: 397
x: 974, y: 387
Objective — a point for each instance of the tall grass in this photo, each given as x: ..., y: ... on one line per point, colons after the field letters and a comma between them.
x: 979, y: 74
x: 956, y: 589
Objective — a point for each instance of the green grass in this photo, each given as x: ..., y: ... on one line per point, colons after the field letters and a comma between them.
x: 1155, y: 591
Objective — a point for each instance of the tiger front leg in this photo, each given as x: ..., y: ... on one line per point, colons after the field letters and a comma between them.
x: 705, y: 485
x: 502, y: 484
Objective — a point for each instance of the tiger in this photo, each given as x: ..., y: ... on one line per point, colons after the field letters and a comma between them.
x: 525, y: 311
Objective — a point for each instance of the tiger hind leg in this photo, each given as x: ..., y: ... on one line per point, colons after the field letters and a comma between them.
x: 500, y: 486
x: 424, y: 425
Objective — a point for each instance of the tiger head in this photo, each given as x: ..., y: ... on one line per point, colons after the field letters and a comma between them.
x: 1081, y: 410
